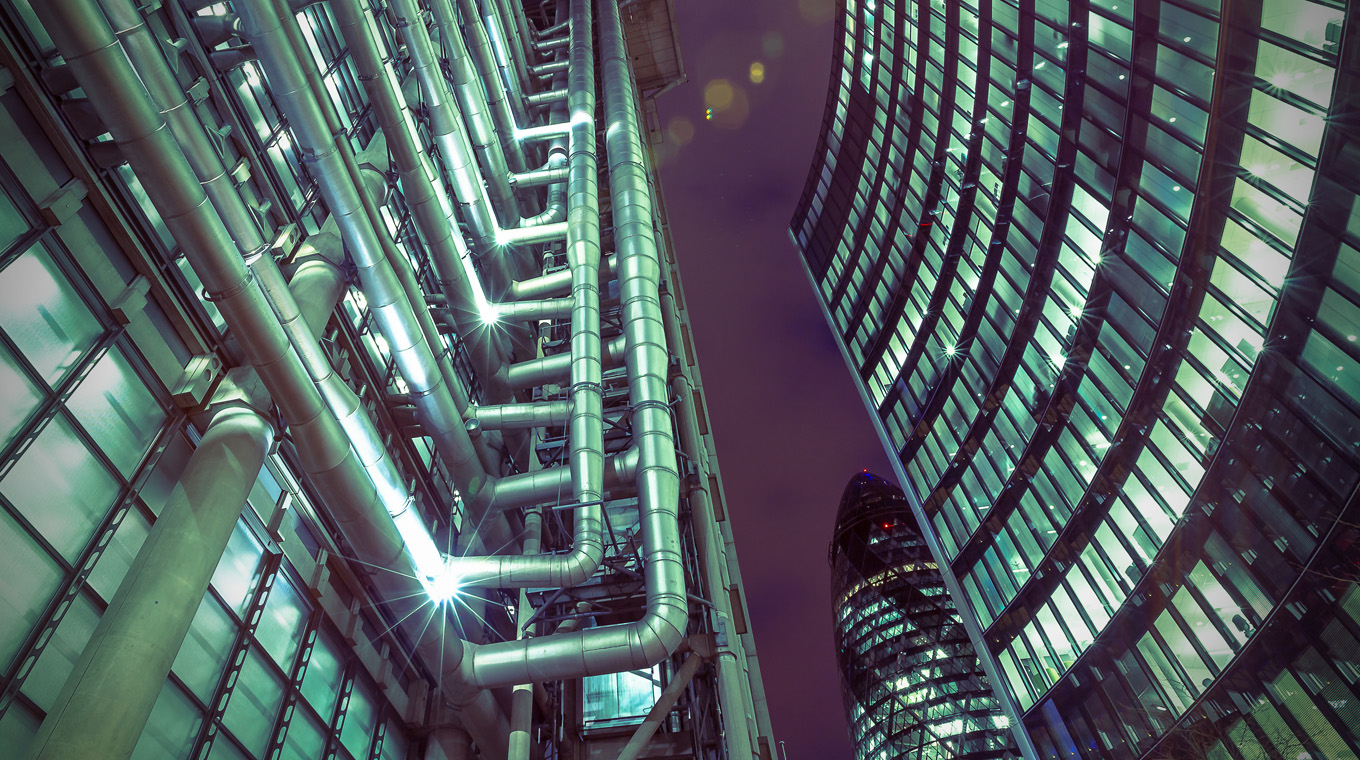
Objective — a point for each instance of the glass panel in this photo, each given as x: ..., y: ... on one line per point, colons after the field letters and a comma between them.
x: 42, y: 314
x: 61, y: 653
x: 254, y: 704
x: 284, y: 614
x: 207, y: 646
x: 28, y: 578
x: 619, y: 698
x: 117, y: 410
x: 12, y: 223
x: 306, y: 738
x: 235, y: 576
x: 322, y: 681
x: 60, y: 488
x: 17, y: 728
x: 172, y: 728
x: 20, y: 397
x: 118, y: 555
x: 395, y: 744
x: 360, y: 720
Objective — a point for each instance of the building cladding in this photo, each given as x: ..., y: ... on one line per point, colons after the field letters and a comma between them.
x: 190, y: 567
x: 1096, y: 267
x: 910, y: 678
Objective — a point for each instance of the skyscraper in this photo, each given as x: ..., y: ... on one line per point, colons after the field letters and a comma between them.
x: 909, y: 676
x: 1094, y: 266
x: 346, y: 408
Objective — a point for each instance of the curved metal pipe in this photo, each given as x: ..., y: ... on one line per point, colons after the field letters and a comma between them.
x: 640, y: 644
x: 586, y: 422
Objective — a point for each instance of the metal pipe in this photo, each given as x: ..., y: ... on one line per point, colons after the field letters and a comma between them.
x: 455, y: 278
x: 556, y: 208
x: 585, y: 368
x: 557, y: 367
x: 387, y: 300
x: 664, y: 702
x: 495, y: 157
x: 542, y: 233
x: 88, y: 45
x: 553, y: 283
x: 539, y: 177
x: 551, y: 31
x: 515, y: 41
x: 460, y: 164
x: 507, y: 416
x: 104, y: 704
x: 542, y: 132
x: 514, y: 78
x: 546, y: 70
x: 628, y: 646
x: 545, y: 98
x: 522, y: 694
x: 502, y: 111
x: 554, y: 43
x: 519, y: 311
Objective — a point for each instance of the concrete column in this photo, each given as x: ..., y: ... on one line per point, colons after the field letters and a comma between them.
x: 108, y: 697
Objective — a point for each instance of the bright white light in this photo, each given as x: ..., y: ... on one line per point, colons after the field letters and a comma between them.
x: 442, y: 587
x: 489, y: 313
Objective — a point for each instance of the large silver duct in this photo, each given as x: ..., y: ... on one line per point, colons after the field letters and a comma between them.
x: 516, y: 27
x: 643, y: 643
x: 387, y: 299
x: 419, y: 191
x: 471, y: 100
x: 457, y: 154
x: 503, y: 111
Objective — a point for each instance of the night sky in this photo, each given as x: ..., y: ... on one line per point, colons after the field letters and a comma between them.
x: 791, y: 429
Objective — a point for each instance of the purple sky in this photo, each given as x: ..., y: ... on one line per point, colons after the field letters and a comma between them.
x: 790, y: 427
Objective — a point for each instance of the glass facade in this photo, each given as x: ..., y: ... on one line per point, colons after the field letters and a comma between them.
x: 910, y: 678
x: 110, y: 352
x: 1094, y: 265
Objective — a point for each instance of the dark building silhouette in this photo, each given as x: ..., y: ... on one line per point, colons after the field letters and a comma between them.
x: 1095, y: 266
x: 909, y: 675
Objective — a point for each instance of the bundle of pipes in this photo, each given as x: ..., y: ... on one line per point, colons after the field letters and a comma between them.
x: 481, y: 129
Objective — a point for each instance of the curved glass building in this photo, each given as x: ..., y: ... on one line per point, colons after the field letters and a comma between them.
x: 909, y: 675
x: 1096, y: 267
